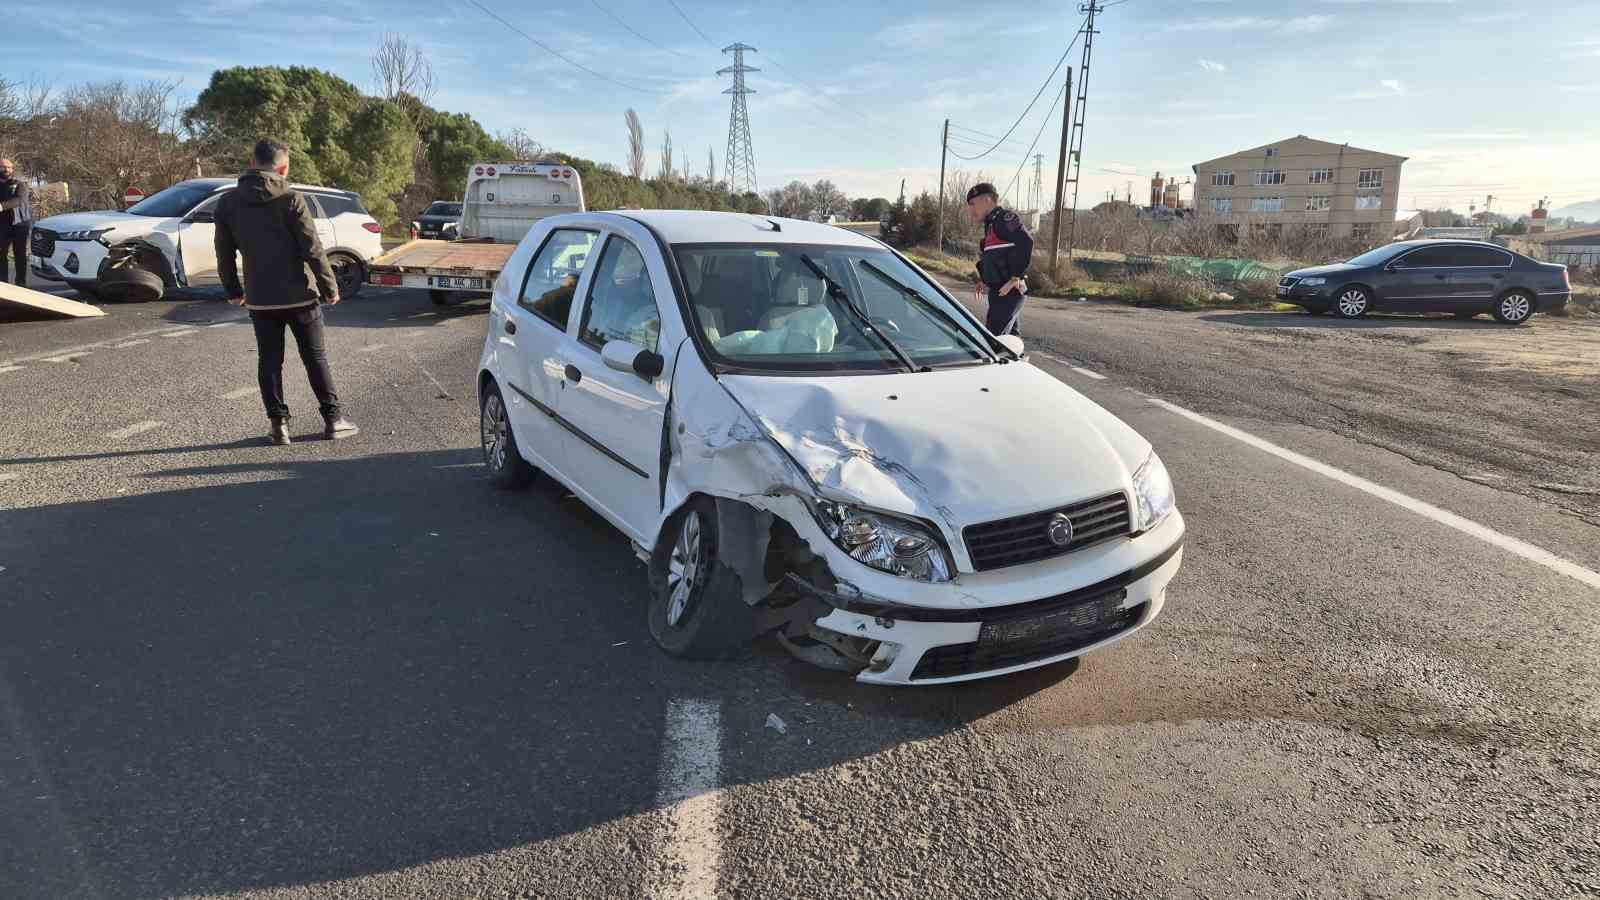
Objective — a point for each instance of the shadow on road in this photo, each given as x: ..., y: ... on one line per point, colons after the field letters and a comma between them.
x: 332, y: 668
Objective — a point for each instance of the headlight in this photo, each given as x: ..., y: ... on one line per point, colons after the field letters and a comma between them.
x: 885, y: 543
x: 1153, y: 488
x: 1313, y: 282
x: 88, y: 234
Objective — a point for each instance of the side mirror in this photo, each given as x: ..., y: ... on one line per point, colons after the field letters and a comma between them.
x: 626, y: 357
x: 1011, y: 342
x: 202, y: 215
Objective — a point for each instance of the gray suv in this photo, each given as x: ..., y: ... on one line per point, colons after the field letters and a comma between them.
x: 1460, y: 277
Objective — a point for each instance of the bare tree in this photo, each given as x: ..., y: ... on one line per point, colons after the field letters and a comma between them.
x: 521, y: 144
x: 105, y: 137
x: 666, y: 154
x: 400, y: 70
x: 635, y: 144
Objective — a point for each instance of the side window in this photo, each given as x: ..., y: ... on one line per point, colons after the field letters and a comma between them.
x: 1426, y: 258
x: 1481, y: 256
x: 622, y: 305
x: 317, y: 210
x: 206, y: 210
x: 552, y: 278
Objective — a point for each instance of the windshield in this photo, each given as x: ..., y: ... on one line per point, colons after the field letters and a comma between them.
x: 1373, y: 257
x: 174, y: 201
x: 767, y: 306
x: 444, y: 209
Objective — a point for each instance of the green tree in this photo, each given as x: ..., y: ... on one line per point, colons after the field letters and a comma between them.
x: 454, y: 142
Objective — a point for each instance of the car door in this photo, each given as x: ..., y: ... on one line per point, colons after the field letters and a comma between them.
x: 536, y: 325
x: 1479, y: 276
x: 197, y: 247
x: 321, y: 216
x: 614, y: 418
x: 1418, y: 279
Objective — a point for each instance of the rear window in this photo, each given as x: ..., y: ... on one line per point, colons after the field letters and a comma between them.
x: 1482, y: 256
x: 443, y: 209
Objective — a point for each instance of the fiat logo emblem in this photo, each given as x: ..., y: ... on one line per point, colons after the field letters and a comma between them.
x: 1059, y: 530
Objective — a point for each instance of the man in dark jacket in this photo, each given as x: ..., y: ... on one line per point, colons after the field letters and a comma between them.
x: 269, y: 224
x: 1004, y: 252
x: 15, y: 219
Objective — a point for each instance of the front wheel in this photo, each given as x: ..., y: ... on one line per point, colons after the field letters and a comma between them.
x: 697, y: 608
x: 1352, y: 303
x: 1514, y: 308
x: 507, y: 469
x: 348, y: 273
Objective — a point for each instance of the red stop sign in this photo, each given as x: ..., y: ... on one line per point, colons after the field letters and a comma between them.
x: 131, y: 196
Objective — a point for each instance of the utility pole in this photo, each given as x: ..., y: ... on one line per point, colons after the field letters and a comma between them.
x: 944, y: 147
x: 740, y: 162
x: 902, y: 192
x: 1061, y: 172
x: 1075, y: 156
x: 1037, y: 201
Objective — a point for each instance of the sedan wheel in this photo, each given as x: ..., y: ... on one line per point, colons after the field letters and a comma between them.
x: 507, y: 468
x: 697, y: 607
x: 1352, y: 303
x: 684, y: 570
x: 1514, y: 308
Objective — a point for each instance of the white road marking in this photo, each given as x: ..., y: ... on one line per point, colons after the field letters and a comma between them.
x: 476, y: 465
x: 229, y: 322
x: 239, y: 394
x: 370, y: 347
x: 1444, y: 517
x: 79, y: 351
x: 136, y: 428
x: 1087, y: 373
x: 179, y: 333
x: 423, y: 315
x: 691, y: 765
x: 126, y: 344
x: 63, y: 358
x: 5, y: 369
x: 8, y: 476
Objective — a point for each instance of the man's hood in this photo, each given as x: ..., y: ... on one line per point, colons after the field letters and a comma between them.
x: 84, y: 221
x: 959, y: 447
x: 258, y: 186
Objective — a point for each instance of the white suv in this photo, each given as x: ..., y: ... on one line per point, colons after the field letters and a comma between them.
x: 165, y: 242
x: 804, y: 434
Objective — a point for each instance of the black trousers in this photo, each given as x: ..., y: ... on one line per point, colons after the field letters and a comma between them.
x: 306, y: 323
x: 1005, y: 313
x: 16, y: 241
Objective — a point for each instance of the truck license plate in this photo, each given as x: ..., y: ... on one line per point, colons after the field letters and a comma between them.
x: 451, y: 281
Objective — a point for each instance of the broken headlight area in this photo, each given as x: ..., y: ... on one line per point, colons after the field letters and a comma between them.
x: 884, y: 542
x: 1152, y: 487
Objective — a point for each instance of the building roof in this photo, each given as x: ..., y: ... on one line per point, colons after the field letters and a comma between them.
x: 1592, y: 235
x: 692, y: 226
x: 1331, y: 148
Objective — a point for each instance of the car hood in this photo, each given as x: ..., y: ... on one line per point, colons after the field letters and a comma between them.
x: 1324, y: 271
x: 80, y: 221
x: 435, y: 220
x: 957, y: 447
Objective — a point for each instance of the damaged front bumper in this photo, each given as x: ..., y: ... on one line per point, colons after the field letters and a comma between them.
x: 1002, y: 627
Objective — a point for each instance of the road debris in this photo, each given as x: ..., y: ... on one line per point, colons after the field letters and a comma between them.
x: 776, y: 723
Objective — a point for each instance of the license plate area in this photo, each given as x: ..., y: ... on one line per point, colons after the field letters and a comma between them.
x: 454, y: 281
x: 1085, y: 617
x: 1283, y: 291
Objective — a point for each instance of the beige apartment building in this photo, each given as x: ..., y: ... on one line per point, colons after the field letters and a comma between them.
x: 1328, y: 189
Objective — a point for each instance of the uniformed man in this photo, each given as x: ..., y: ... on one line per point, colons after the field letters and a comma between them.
x: 1004, y: 252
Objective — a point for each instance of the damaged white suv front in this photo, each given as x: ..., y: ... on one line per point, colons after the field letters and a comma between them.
x: 804, y: 435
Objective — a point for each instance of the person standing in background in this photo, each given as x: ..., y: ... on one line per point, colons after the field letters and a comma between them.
x: 268, y: 223
x: 1004, y: 252
x: 16, y: 217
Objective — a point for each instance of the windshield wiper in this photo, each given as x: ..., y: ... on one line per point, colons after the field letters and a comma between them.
x: 912, y: 293
x: 839, y: 294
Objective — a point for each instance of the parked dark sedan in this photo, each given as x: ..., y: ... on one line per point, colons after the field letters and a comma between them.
x: 439, y: 220
x: 1460, y: 277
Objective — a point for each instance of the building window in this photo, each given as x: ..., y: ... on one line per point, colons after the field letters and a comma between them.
x: 1266, y: 204
x: 1370, y: 178
x: 1317, y: 232
x: 1319, y: 203
x: 1264, y: 177
x: 1272, y: 151
x: 1223, y: 178
x: 1321, y: 176
x: 1361, y: 231
x: 1368, y: 201
x: 1222, y: 205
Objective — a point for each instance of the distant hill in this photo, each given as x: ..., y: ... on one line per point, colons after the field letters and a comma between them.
x: 1587, y: 211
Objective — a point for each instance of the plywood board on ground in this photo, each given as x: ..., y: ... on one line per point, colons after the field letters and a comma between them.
x: 11, y: 295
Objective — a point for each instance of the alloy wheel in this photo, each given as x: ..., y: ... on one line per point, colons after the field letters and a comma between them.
x: 494, y: 433
x: 684, y: 570
x: 1352, y: 303
x: 1515, y: 307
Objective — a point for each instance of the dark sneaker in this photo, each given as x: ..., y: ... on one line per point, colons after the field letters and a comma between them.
x: 340, y: 428
x: 280, y: 432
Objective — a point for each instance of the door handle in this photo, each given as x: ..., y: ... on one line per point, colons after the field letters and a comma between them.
x: 511, y: 327
x: 573, y: 375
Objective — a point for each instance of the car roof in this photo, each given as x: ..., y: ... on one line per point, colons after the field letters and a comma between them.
x: 1427, y: 242
x: 693, y: 226
x: 219, y: 183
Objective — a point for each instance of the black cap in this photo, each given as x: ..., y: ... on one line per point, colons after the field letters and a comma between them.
x: 981, y: 188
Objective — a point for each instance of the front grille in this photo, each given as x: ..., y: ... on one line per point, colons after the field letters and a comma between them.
x: 1288, y: 281
x: 952, y: 660
x: 1025, y: 539
x: 43, y: 243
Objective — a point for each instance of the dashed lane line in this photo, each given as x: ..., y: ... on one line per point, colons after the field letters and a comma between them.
x: 239, y: 394
x: 370, y: 348
x: 126, y: 344
x: 122, y: 434
x: 1087, y: 373
x: 5, y: 369
x: 64, y: 358
x: 691, y: 767
x: 1444, y: 517
x: 172, y: 334
x: 79, y: 351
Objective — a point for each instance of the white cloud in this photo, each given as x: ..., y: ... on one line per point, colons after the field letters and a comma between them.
x: 1295, y: 25
x: 1392, y: 85
x: 1211, y: 65
x: 920, y: 33
x: 1385, y: 89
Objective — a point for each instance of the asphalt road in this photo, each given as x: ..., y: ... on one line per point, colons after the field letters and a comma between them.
x: 352, y: 669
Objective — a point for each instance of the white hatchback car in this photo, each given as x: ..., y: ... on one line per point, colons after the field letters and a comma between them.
x: 170, y: 236
x: 804, y: 434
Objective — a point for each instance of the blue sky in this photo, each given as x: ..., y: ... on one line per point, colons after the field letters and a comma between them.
x: 1483, y: 97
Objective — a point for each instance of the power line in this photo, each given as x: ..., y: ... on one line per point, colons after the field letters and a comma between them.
x: 553, y: 52
x: 1035, y: 99
x: 630, y: 29
x: 691, y: 23
x: 1036, y: 135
